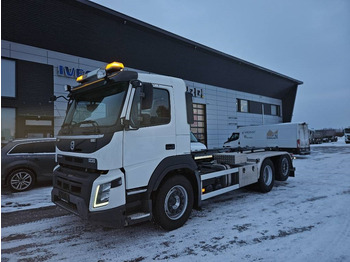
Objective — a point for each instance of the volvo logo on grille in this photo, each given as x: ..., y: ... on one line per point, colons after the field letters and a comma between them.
x: 72, y: 145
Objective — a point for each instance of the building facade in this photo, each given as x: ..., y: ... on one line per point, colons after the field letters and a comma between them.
x: 60, y: 40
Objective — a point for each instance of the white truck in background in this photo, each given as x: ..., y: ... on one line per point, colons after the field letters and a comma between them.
x: 196, y: 145
x: 124, y: 153
x: 347, y: 135
x: 291, y: 137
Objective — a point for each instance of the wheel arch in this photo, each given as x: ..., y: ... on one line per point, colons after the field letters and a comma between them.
x: 176, y: 165
x: 18, y: 166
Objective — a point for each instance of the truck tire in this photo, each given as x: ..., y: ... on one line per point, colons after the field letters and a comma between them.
x: 267, y: 176
x: 284, y: 165
x: 20, y: 180
x: 173, y: 203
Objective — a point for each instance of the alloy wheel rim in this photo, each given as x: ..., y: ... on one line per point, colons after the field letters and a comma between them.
x: 21, y: 181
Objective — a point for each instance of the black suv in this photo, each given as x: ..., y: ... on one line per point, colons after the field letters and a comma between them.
x: 27, y: 161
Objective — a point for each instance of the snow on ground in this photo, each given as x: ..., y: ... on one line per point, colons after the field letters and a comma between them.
x: 35, y: 198
x: 303, y: 219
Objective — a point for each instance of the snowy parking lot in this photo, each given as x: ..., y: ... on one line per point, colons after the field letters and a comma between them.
x: 306, y: 218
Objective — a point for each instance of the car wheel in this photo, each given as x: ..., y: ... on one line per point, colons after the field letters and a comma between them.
x: 21, y: 180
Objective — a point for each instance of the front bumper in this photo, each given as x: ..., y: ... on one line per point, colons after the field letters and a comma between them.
x: 114, y: 217
x: 72, y: 192
x: 304, y: 151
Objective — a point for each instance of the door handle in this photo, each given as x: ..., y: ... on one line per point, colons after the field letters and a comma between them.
x: 170, y: 147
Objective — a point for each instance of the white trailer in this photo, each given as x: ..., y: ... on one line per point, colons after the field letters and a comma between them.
x: 124, y: 153
x: 291, y: 137
x: 347, y: 135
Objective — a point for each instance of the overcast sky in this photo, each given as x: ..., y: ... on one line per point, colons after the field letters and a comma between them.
x: 308, y: 40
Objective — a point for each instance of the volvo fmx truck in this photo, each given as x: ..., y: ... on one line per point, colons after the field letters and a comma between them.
x: 124, y: 153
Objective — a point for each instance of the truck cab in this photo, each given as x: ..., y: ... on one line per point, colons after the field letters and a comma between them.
x: 122, y: 129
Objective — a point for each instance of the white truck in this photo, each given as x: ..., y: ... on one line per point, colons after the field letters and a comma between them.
x: 291, y: 137
x: 347, y: 135
x: 124, y: 155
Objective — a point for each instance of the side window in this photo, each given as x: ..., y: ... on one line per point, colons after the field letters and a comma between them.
x: 23, y: 149
x: 159, y: 114
x: 30, y: 148
x: 44, y: 147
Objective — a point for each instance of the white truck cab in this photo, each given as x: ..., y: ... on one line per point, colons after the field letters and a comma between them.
x: 124, y: 153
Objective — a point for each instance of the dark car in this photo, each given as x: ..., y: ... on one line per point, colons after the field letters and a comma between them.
x: 27, y: 161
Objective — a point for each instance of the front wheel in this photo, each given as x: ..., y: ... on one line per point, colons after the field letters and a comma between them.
x: 173, y: 203
x: 267, y: 176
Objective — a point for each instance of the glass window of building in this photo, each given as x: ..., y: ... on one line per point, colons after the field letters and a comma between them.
x: 274, y: 110
x: 243, y: 106
x: 8, y: 123
x: 198, y: 128
x: 8, y: 78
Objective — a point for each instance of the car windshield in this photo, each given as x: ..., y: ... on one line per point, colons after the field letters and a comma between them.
x: 347, y: 130
x: 96, y: 108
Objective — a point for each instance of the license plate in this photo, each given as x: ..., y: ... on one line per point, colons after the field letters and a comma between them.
x: 63, y: 196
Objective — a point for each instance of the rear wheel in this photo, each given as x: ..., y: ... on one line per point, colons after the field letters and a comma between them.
x: 173, y: 203
x: 267, y: 176
x: 21, y: 180
x: 284, y: 166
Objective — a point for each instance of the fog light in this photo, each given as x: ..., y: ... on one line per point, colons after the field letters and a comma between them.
x: 102, y: 195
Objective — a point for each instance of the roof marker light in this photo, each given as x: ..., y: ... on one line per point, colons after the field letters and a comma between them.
x: 80, y: 78
x: 114, y: 66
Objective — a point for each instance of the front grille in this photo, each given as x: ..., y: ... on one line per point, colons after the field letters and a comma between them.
x: 69, y: 185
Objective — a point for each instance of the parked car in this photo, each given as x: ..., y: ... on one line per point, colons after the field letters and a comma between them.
x: 27, y: 161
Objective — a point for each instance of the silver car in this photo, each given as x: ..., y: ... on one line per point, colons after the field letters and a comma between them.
x: 27, y: 161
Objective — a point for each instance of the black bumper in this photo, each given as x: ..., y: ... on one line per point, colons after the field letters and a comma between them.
x: 303, y: 151
x: 72, y: 191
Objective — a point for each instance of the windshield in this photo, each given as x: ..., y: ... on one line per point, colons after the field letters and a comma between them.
x: 234, y: 137
x: 95, y: 109
x: 193, y: 138
x: 347, y: 130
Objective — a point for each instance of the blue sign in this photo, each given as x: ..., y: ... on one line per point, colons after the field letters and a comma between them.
x: 70, y: 72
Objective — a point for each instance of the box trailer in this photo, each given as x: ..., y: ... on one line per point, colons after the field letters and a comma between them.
x: 291, y: 137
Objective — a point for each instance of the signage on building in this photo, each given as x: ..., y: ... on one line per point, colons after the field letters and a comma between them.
x: 70, y: 71
x: 196, y: 92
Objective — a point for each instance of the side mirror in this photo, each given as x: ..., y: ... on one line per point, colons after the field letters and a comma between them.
x: 189, y: 108
x: 147, y: 99
x: 54, y: 98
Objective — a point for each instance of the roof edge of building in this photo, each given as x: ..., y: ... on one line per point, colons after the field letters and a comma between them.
x: 185, y: 40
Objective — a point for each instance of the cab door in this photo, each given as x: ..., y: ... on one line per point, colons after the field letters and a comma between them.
x: 150, y: 137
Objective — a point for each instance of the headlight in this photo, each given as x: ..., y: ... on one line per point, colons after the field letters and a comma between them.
x: 102, y: 195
